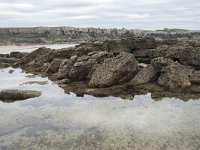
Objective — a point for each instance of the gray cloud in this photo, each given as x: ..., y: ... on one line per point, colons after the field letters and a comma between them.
x: 147, y: 14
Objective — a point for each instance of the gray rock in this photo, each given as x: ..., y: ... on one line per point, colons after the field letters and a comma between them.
x: 147, y: 74
x: 15, y: 95
x: 187, y: 55
x: 115, y: 70
x: 160, y: 62
x: 174, y: 76
x: 54, y: 66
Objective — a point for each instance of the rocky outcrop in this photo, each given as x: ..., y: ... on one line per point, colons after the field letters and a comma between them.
x: 103, y: 66
x: 184, y: 54
x: 115, y: 70
x: 15, y: 95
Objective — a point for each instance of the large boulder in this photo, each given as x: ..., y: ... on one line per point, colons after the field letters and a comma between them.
x: 114, y: 71
x: 174, y: 76
x: 145, y: 75
x: 81, y: 68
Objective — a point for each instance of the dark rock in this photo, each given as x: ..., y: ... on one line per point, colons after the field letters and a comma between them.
x: 115, y: 70
x: 14, y: 95
x: 195, y: 77
x: 54, y: 66
x: 34, y: 55
x: 174, y: 76
x: 8, y: 60
x: 147, y: 74
x: 4, y: 65
x: 81, y: 68
x: 160, y: 62
x: 17, y: 54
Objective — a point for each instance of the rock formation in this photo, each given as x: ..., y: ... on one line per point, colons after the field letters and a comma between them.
x: 114, y: 66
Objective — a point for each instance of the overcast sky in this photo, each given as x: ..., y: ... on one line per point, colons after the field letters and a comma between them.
x: 143, y: 14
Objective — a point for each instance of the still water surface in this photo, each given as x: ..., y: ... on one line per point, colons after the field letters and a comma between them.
x: 57, y: 121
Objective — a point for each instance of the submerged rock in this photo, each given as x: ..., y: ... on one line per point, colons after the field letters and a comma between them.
x: 15, y: 95
x: 114, y: 71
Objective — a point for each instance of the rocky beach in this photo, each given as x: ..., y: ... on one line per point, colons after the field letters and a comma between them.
x: 112, y: 67
x: 124, y: 93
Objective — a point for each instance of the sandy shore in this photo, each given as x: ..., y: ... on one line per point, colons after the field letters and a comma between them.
x: 28, y: 48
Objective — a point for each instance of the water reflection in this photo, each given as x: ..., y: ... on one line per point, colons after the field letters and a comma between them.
x: 64, y: 121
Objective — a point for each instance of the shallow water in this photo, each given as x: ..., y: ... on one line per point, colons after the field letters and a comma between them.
x: 29, y: 48
x: 63, y: 121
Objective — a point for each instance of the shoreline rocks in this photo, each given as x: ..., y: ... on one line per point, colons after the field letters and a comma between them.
x: 111, y: 63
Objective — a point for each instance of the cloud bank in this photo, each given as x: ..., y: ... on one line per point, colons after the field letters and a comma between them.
x: 146, y: 14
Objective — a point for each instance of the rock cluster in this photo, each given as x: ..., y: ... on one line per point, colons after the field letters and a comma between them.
x: 115, y: 65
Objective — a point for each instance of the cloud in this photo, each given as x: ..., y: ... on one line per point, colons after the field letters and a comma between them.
x: 147, y: 14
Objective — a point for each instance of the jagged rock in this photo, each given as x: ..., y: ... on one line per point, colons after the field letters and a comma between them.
x: 160, y: 62
x: 54, y: 66
x: 183, y: 54
x: 147, y: 74
x: 14, y: 95
x: 114, y: 71
x: 81, y: 68
x: 33, y: 56
x: 174, y: 76
x: 65, y: 67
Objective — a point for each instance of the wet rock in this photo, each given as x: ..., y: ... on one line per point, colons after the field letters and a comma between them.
x: 147, y: 74
x: 15, y: 95
x: 174, y: 76
x: 115, y: 70
x: 35, y: 82
x: 11, y: 71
